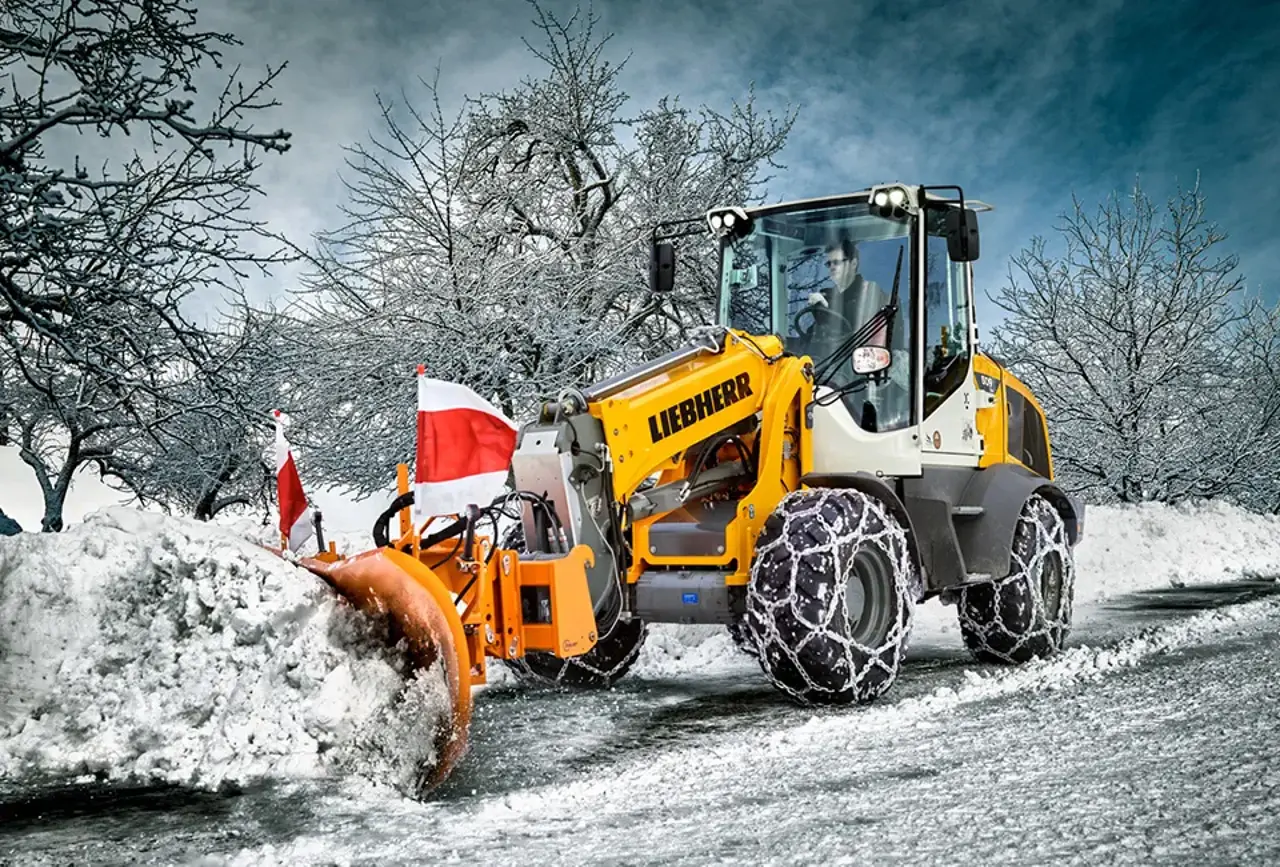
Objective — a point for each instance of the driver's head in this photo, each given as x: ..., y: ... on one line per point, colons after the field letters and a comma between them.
x: 842, y: 262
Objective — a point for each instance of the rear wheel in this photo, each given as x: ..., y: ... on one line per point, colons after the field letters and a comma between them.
x: 600, y: 667
x: 831, y: 597
x: 1026, y: 614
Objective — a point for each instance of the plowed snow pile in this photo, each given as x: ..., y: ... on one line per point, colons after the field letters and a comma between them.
x: 141, y: 646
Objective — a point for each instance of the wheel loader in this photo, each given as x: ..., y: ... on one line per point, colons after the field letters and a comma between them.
x: 807, y: 470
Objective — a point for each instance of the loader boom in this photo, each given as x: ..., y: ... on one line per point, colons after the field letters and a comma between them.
x: 667, y: 425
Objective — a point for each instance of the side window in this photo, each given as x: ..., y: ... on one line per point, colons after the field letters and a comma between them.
x: 1033, y: 442
x: 804, y: 277
x: 946, y: 319
x: 1026, y: 434
x: 746, y: 289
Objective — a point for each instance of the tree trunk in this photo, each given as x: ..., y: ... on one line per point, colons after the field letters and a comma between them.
x: 53, y: 506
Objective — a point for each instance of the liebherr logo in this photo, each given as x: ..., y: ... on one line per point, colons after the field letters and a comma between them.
x: 690, y: 411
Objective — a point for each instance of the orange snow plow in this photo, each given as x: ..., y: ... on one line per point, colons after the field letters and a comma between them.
x: 456, y: 599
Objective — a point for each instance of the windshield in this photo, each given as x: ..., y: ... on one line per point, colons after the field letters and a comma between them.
x: 814, y: 278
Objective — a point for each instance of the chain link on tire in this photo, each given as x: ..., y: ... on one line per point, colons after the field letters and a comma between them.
x: 831, y: 597
x: 600, y: 667
x: 1027, y: 614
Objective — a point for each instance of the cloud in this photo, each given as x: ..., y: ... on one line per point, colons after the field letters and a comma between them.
x: 1022, y: 103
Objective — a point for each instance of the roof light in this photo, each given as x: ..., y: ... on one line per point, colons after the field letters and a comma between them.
x: 729, y: 221
x: 892, y: 201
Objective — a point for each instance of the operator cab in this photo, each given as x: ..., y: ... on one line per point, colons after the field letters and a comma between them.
x: 835, y: 276
x: 876, y: 288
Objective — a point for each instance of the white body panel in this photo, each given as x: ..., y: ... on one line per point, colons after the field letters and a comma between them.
x: 840, y: 446
x: 950, y: 435
x: 539, y: 466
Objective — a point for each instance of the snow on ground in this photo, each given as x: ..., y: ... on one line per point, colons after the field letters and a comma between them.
x: 137, y: 645
x: 1175, y: 764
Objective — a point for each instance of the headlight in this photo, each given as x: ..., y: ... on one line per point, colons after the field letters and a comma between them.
x: 891, y: 200
x: 729, y: 221
x: 870, y: 359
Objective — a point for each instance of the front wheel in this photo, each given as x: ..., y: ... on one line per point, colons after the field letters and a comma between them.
x: 1026, y: 614
x: 832, y: 596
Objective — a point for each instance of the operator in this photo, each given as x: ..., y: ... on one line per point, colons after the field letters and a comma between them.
x: 853, y: 296
x: 857, y: 299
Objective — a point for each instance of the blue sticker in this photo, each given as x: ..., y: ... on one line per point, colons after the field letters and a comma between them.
x: 689, y: 598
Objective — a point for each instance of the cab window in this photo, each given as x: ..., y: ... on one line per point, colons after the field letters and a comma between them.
x: 1027, y: 443
x: 946, y: 317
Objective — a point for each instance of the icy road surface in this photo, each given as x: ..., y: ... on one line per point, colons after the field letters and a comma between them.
x: 1159, y: 747
x: 1151, y: 740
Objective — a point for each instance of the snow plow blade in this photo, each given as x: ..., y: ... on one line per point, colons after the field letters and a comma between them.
x: 461, y: 610
x: 421, y: 608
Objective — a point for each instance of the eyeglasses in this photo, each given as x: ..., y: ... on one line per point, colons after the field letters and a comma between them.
x: 831, y: 263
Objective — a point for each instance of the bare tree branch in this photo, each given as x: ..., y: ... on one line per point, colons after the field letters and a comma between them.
x: 1147, y: 354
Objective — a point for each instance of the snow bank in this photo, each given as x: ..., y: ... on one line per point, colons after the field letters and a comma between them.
x: 1150, y: 546
x: 141, y: 646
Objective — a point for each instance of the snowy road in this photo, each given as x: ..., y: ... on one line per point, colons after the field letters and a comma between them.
x: 1151, y: 741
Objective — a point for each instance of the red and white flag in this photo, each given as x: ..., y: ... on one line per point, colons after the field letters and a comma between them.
x: 295, y: 517
x: 464, y: 449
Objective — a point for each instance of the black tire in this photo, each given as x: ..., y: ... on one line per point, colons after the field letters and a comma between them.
x: 820, y: 646
x: 741, y: 636
x: 601, y: 666
x: 1027, y: 614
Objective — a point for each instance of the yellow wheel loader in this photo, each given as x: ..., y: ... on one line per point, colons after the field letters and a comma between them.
x: 833, y: 452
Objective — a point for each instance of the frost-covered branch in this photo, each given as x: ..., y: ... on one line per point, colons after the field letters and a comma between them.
x: 506, y: 247
x: 99, y: 251
x: 1146, y: 353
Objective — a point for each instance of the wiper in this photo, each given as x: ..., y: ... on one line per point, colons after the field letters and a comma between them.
x: 824, y: 369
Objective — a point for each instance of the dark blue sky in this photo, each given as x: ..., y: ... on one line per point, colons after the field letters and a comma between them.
x: 1022, y: 103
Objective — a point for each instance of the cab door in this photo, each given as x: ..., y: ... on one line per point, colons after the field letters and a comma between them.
x: 949, y: 432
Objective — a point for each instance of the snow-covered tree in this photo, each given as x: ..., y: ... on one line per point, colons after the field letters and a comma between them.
x: 68, y: 417
x: 1131, y: 339
x: 1255, y: 426
x: 507, y: 247
x: 217, y: 452
x: 116, y: 204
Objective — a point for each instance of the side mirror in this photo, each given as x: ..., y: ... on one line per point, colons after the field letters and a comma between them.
x: 870, y: 359
x: 662, y: 267
x: 962, y: 234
